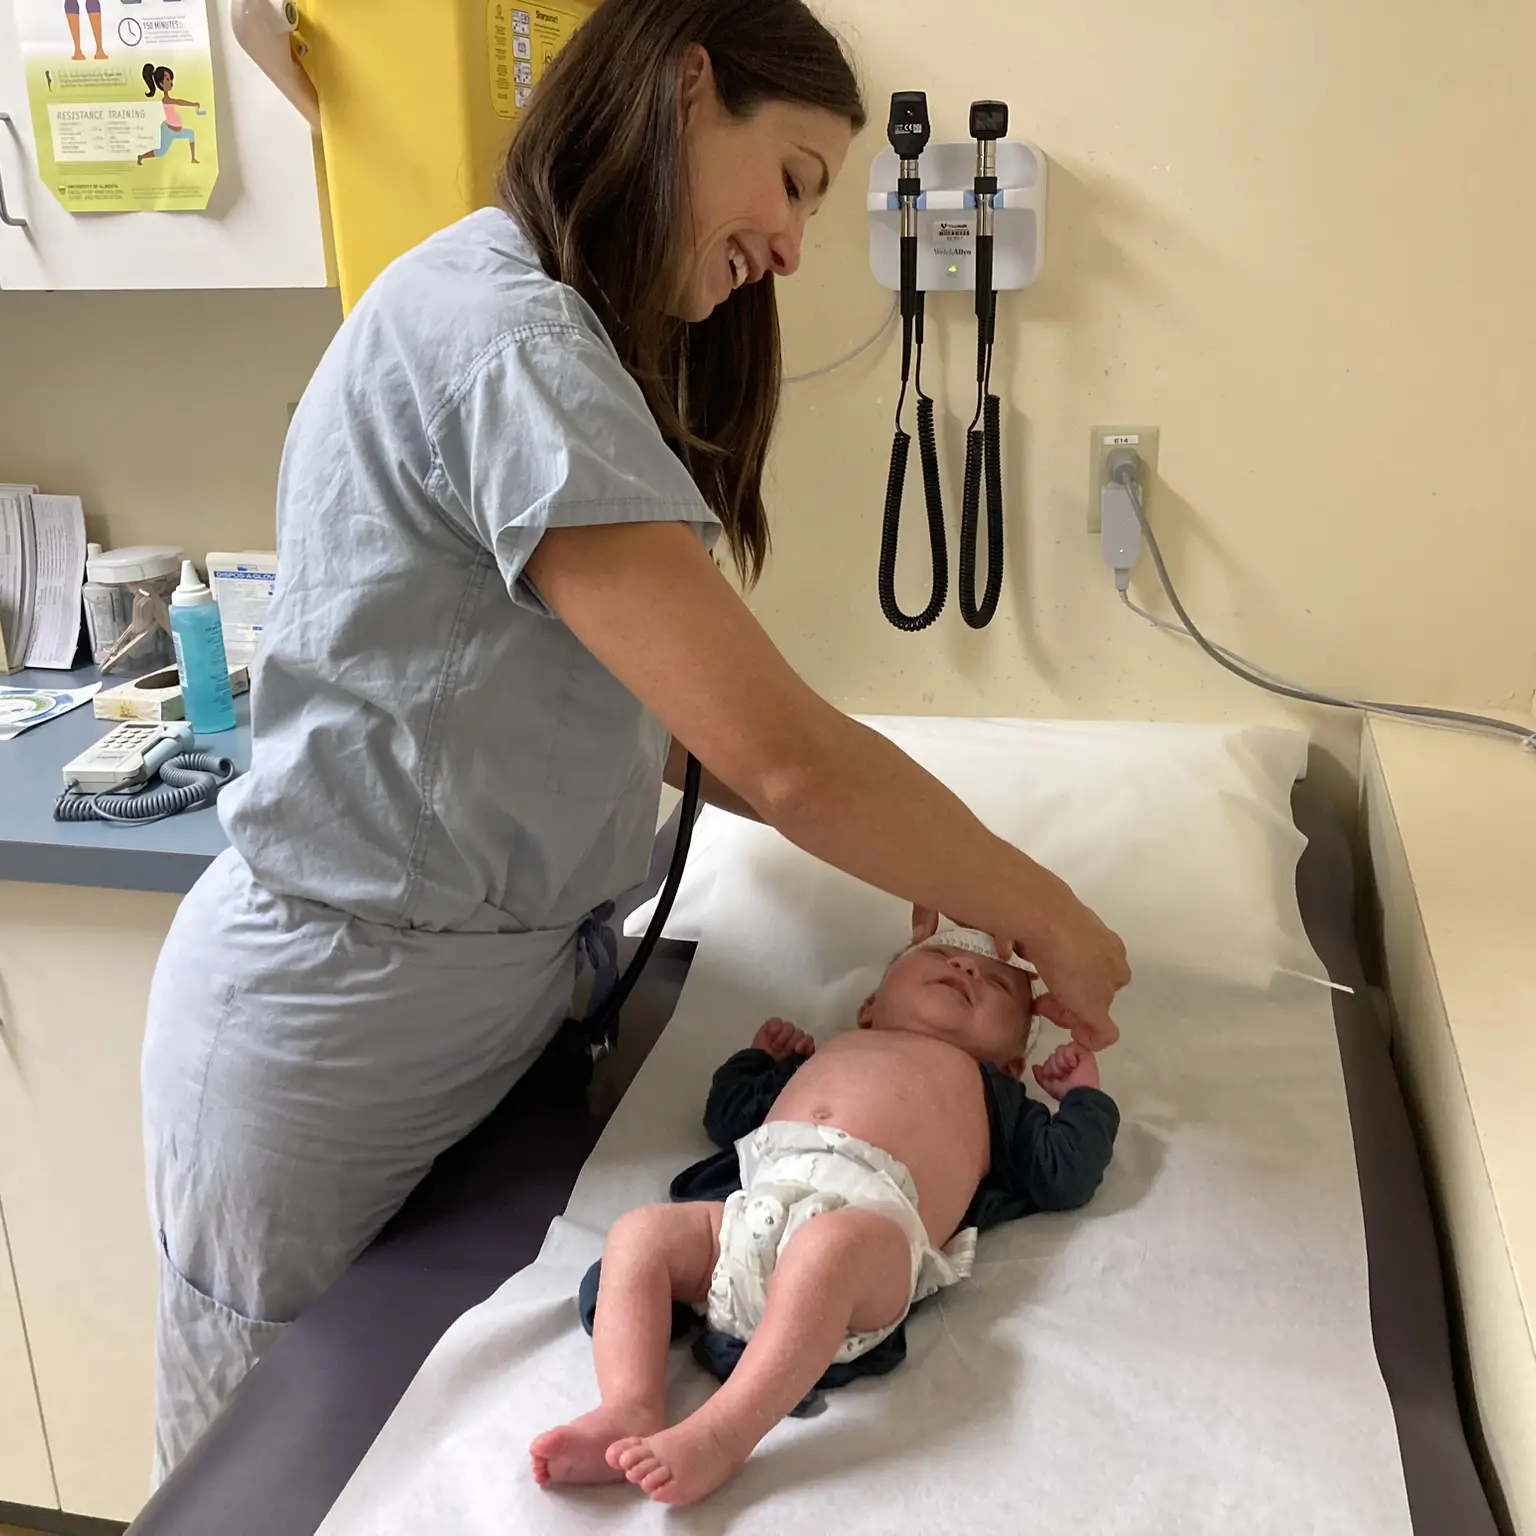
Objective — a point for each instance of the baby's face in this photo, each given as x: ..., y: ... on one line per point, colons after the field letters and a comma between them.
x: 981, y: 1005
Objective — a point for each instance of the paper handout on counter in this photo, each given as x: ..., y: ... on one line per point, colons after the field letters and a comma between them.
x: 15, y: 573
x: 22, y: 708
x: 59, y: 534
x: 42, y: 566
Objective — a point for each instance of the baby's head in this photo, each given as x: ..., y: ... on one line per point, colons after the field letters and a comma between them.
x: 954, y: 987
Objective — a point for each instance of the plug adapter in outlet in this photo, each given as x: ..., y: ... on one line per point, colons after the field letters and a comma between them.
x: 1103, y: 442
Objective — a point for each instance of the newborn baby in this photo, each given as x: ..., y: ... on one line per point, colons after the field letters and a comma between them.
x: 860, y: 1163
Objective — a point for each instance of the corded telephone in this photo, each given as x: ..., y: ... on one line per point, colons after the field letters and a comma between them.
x: 128, y: 757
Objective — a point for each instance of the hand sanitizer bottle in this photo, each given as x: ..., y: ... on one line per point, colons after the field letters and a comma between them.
x: 199, y: 640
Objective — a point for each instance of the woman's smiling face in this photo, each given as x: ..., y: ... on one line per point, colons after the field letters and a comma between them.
x: 751, y: 184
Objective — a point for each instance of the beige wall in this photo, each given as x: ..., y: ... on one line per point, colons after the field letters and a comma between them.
x: 1297, y: 238
x: 165, y: 411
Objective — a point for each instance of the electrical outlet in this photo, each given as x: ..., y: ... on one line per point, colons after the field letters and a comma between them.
x: 1101, y: 443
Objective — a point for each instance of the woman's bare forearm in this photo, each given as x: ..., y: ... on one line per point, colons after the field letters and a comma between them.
x: 861, y: 804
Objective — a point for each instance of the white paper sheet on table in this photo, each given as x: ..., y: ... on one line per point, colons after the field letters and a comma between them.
x: 1190, y: 1354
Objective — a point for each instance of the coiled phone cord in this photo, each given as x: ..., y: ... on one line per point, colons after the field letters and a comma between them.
x: 896, y: 483
x: 186, y: 782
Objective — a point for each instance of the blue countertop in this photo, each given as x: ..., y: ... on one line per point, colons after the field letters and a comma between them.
x: 164, y: 856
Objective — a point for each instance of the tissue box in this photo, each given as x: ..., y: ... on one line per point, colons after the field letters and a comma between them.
x: 157, y: 697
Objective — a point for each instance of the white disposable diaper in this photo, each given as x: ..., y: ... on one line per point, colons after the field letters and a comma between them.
x: 791, y: 1172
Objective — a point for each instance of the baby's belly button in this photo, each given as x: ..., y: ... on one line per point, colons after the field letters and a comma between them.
x: 821, y: 1113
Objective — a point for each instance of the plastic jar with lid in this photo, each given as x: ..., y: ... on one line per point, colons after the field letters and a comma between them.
x: 127, y: 597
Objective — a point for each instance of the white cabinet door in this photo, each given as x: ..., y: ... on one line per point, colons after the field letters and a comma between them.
x: 75, y: 966
x: 24, y: 1474
x: 263, y: 228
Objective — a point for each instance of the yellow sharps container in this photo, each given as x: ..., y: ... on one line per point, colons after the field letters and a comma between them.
x: 417, y: 101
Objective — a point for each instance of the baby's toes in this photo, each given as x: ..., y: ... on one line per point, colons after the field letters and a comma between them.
x: 616, y: 1452
x: 628, y: 1454
x: 641, y: 1466
x: 651, y: 1478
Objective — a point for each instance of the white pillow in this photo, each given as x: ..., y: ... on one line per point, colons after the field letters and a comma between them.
x: 1179, y: 836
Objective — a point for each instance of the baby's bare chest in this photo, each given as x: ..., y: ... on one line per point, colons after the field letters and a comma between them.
x: 926, y: 1106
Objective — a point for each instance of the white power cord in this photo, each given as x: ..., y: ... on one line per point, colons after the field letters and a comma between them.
x: 1125, y: 526
x: 848, y: 357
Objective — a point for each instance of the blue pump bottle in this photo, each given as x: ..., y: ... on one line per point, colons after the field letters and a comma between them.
x: 200, y: 659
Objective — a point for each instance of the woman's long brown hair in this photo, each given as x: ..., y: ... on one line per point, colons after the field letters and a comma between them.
x: 595, y: 178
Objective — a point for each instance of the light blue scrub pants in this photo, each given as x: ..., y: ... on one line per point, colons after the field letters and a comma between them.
x: 301, y: 1071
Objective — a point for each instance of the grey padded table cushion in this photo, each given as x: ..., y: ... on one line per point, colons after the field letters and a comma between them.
x: 291, y: 1437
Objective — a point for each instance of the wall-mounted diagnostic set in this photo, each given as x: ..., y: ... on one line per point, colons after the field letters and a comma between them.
x: 952, y: 218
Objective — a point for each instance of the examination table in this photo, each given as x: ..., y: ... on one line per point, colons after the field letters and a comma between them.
x: 291, y: 1437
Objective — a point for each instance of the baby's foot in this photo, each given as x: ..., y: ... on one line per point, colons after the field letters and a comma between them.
x: 576, y: 1452
x: 680, y: 1465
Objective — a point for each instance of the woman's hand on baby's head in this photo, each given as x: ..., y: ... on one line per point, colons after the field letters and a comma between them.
x: 1059, y: 968
x: 782, y: 1040
x: 1068, y: 1067
x: 925, y: 923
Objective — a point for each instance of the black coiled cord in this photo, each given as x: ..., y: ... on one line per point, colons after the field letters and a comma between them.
x: 895, y: 494
x: 983, y: 461
x: 983, y: 458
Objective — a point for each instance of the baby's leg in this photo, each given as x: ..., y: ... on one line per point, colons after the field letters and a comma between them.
x: 655, y: 1255
x: 845, y: 1269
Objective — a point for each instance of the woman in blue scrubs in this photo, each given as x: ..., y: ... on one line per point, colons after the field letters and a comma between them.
x: 498, y: 626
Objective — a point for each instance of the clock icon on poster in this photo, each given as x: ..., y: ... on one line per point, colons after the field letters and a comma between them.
x: 130, y: 32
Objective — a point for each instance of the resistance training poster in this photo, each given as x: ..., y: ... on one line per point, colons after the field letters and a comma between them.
x: 122, y: 102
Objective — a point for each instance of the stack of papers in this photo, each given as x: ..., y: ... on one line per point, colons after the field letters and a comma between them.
x: 42, y: 568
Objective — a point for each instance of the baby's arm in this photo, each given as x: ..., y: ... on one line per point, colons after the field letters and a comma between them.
x: 744, y: 1089
x: 1058, y: 1161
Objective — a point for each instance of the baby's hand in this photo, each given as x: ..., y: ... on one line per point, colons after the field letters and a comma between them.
x: 782, y: 1040
x: 1070, y: 1066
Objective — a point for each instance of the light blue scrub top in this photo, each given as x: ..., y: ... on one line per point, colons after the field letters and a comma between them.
x: 434, y: 749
